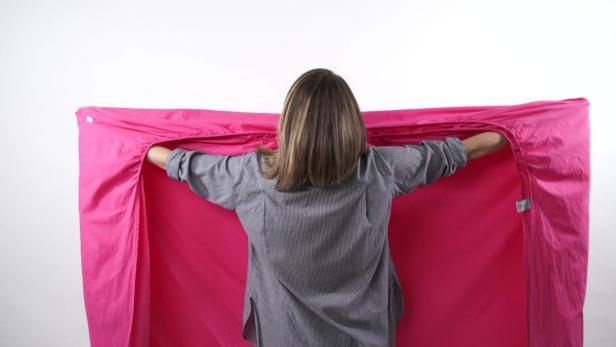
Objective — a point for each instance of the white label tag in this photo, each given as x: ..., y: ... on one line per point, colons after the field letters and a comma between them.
x: 522, y: 205
x: 89, y: 119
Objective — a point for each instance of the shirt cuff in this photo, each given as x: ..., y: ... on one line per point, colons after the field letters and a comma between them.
x: 172, y: 163
x: 458, y: 149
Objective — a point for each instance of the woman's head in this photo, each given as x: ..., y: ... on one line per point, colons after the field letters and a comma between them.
x: 321, y: 133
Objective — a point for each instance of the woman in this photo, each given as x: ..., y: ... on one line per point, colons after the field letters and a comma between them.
x: 316, y: 211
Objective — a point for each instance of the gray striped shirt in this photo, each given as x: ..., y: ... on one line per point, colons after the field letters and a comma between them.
x: 320, y: 271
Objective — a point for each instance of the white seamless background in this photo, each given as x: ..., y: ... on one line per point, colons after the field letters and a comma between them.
x: 243, y: 56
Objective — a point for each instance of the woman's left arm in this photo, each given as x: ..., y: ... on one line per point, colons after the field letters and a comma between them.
x: 157, y: 155
x: 215, y: 177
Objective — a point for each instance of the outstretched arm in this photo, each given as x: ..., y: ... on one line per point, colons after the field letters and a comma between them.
x: 215, y: 177
x: 157, y: 155
x: 483, y: 143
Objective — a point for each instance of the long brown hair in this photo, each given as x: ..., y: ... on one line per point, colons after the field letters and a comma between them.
x: 321, y: 133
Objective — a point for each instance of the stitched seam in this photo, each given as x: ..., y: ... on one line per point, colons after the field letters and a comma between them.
x: 390, y: 173
x: 241, y: 187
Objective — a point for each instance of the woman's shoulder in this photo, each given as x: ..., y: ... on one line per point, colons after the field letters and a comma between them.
x: 370, y: 164
x: 377, y: 157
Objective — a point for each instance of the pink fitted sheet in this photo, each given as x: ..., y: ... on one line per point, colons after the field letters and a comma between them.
x: 163, y: 267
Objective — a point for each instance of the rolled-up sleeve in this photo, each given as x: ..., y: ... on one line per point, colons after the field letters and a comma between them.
x: 216, y: 178
x: 172, y: 164
x: 413, y: 166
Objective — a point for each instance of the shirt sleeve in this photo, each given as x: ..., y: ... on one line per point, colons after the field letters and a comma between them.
x: 216, y: 178
x: 413, y: 166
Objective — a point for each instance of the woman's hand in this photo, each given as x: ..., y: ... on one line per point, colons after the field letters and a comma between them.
x: 157, y: 155
x: 484, y: 143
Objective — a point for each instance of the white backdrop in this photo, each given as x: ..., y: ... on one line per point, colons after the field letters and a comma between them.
x: 243, y: 56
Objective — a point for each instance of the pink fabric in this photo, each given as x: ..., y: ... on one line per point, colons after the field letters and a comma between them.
x: 163, y: 267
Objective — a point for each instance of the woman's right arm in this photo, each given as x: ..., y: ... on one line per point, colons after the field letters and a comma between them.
x: 484, y: 143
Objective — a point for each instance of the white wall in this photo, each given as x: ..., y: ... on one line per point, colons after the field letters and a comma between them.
x: 243, y: 56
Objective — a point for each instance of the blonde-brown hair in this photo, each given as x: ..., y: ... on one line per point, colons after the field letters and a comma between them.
x: 321, y: 133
